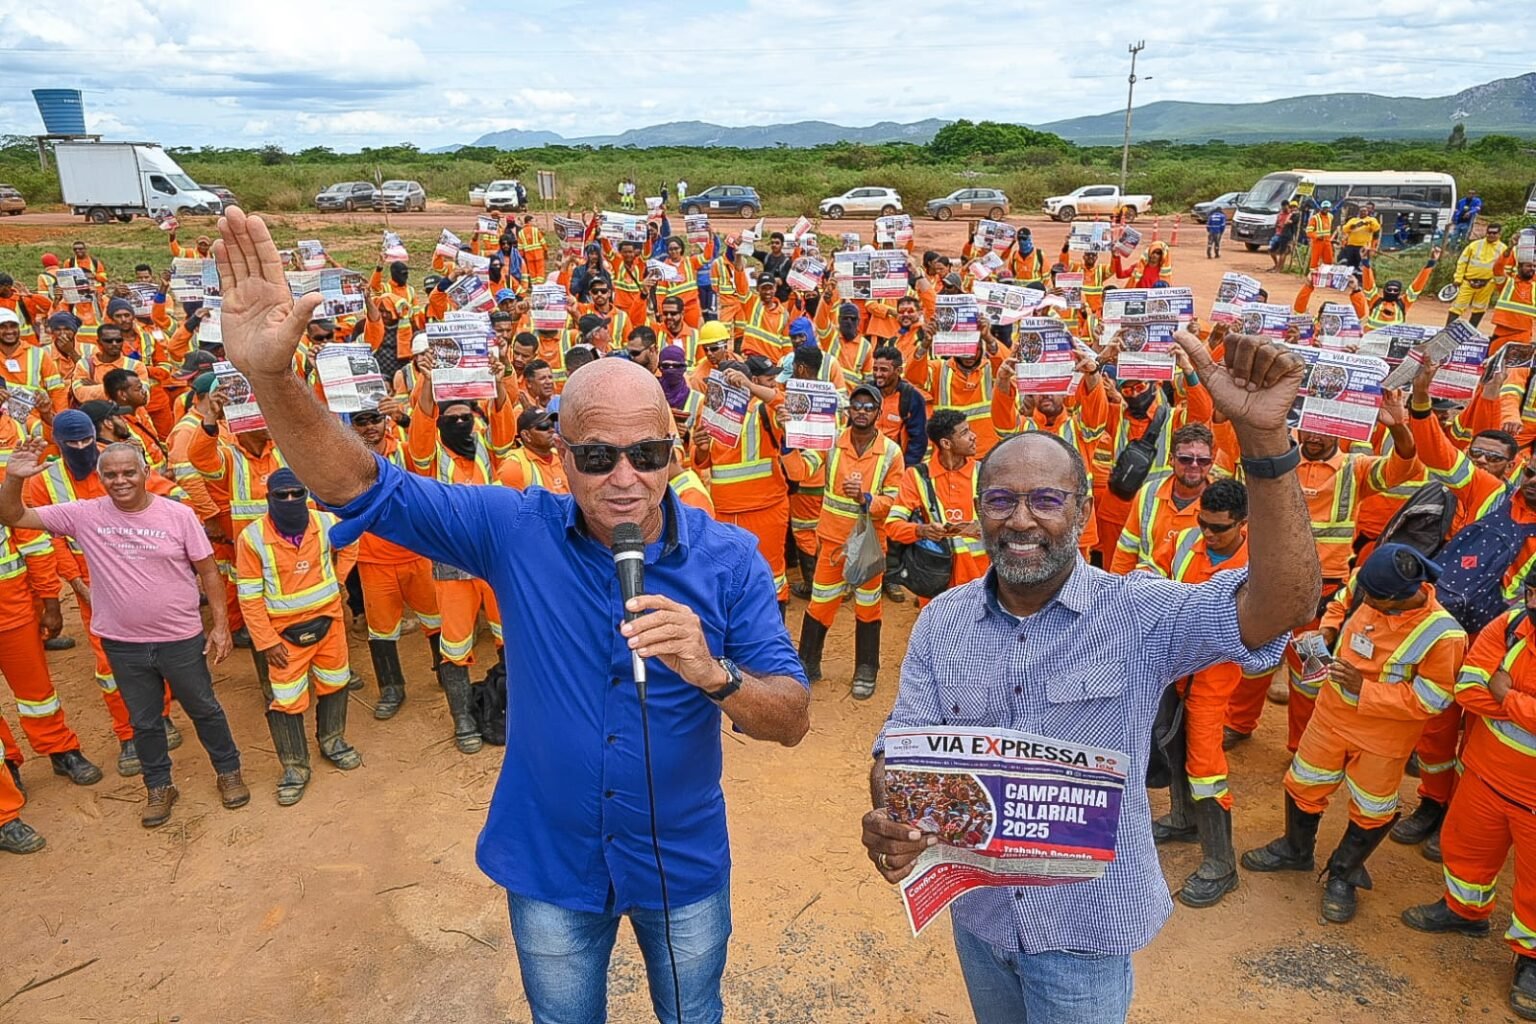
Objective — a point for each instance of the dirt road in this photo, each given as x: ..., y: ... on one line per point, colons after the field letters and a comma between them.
x: 363, y: 903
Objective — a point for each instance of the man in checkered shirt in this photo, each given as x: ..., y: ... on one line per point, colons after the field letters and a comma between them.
x: 1048, y: 645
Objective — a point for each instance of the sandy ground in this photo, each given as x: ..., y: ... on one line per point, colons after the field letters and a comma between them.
x: 363, y: 902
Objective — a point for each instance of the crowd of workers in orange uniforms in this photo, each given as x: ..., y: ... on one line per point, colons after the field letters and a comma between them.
x: 915, y: 431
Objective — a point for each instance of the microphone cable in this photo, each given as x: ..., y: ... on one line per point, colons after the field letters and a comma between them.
x: 661, y: 871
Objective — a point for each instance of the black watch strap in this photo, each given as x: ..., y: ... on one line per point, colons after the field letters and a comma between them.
x: 732, y: 683
x: 1275, y: 467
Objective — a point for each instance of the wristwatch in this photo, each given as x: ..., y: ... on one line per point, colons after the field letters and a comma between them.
x: 732, y: 681
x: 1275, y: 467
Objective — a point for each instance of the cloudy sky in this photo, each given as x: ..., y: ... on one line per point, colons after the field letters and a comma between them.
x: 352, y: 73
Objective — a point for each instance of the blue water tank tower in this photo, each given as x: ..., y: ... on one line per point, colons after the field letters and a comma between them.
x: 63, y: 111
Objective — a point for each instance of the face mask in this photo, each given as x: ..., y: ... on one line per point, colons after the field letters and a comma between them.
x: 81, y: 462
x: 1526, y: 275
x: 1139, y: 404
x: 458, y: 435
x: 398, y: 273
x: 291, y: 516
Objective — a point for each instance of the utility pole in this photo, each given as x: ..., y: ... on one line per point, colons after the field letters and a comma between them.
x: 1125, y: 149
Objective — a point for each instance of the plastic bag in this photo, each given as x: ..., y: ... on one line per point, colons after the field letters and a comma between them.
x: 864, y: 558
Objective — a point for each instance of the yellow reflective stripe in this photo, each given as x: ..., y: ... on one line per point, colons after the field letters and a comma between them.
x: 1416, y: 645
x: 1311, y: 775
x: 287, y: 693
x: 1520, y: 932
x: 1208, y: 787
x: 38, y: 708
x: 1467, y: 893
x: 1184, y: 552
x: 1371, y: 804
x: 1512, y: 736
x: 332, y: 676
x: 457, y: 649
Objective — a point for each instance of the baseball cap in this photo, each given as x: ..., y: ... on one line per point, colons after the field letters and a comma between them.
x: 504, y: 294
x: 203, y: 383
x: 591, y: 322
x: 196, y: 363
x: 50, y: 260
x: 8, y: 316
x: 759, y: 365
x: 536, y: 419
x: 100, y: 410
x: 952, y: 280
x: 869, y: 389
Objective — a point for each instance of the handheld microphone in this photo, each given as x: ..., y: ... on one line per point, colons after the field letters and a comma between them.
x: 629, y: 562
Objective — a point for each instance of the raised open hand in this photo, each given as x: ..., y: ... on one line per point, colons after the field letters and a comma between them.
x: 262, y: 322
x: 1255, y: 384
x: 27, y: 459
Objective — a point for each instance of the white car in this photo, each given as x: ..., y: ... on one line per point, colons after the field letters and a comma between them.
x: 875, y: 202
x: 505, y: 194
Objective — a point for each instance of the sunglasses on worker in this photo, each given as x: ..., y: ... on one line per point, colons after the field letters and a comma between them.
x: 674, y: 366
x: 1488, y: 454
x: 599, y: 459
x: 1206, y: 524
x: 1000, y: 503
x: 1193, y: 460
x: 291, y: 494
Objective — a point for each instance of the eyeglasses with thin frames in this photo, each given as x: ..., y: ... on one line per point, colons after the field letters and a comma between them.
x: 999, y: 503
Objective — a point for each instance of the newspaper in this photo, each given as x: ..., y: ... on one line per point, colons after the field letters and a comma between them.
x: 448, y: 245
x: 573, y: 236
x: 1071, y: 288
x: 75, y: 285
x: 1089, y: 236
x: 240, y: 409
x: 349, y: 376
x: 1265, y: 319
x: 994, y: 235
x: 725, y: 410
x: 1142, y: 321
x: 872, y: 274
x: 849, y: 240
x: 663, y: 271
x: 1341, y: 392
x: 1045, y: 356
x: 394, y: 249
x: 20, y: 400
x: 1395, y: 342
x: 548, y: 307
x: 311, y: 253
x: 805, y: 274
x: 697, y: 227
x: 472, y: 293
x: 800, y: 229
x: 478, y: 265
x: 621, y: 227
x: 956, y: 326
x: 1010, y: 809
x: 894, y: 230
x: 1335, y: 276
x: 1525, y: 246
x: 210, y: 327
x: 486, y: 225
x: 461, y: 347
x: 1462, y: 370
x: 1006, y: 303
x: 165, y: 220
x: 1235, y: 291
x: 812, y: 409
x: 343, y: 292
x: 193, y: 279
x: 1127, y: 241
x: 1302, y: 328
x: 1338, y: 325
x: 142, y: 296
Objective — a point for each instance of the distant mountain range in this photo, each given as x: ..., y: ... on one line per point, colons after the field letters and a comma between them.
x: 1506, y: 106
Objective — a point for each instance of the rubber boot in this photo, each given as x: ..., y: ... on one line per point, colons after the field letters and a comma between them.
x: 263, y: 673
x: 1217, y: 874
x: 807, y: 563
x: 866, y: 658
x: 813, y: 638
x: 1293, y: 851
x: 292, y: 748
x: 1522, y: 988
x: 1439, y: 917
x: 1178, y: 825
x: 386, y: 668
x: 1421, y: 824
x: 466, y: 733
x: 435, y: 643
x: 331, y: 731
x: 1346, y: 871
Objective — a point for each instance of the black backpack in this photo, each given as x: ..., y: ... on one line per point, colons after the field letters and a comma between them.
x: 924, y: 569
x: 1473, y: 563
x: 1134, y: 463
x: 488, y: 703
x: 1424, y: 521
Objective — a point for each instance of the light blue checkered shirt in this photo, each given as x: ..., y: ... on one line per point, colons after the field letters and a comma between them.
x: 1090, y: 668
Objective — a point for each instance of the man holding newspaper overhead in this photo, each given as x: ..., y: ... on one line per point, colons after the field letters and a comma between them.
x: 1026, y: 705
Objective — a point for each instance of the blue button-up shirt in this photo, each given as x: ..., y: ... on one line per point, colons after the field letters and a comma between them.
x: 569, y: 820
x: 1089, y: 667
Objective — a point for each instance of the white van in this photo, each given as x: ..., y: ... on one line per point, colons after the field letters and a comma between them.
x: 103, y: 180
x: 1254, y: 223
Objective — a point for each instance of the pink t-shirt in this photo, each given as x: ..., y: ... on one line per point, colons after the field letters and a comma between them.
x: 143, y: 586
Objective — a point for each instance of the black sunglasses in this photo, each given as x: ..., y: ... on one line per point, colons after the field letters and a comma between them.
x: 599, y: 459
x: 1206, y: 524
x: 290, y: 495
x: 674, y: 366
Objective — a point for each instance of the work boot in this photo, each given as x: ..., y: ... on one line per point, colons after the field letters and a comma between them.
x: 263, y: 672
x: 292, y: 753
x: 1231, y: 737
x: 813, y: 638
x: 233, y: 792
x: 73, y: 765
x: 331, y: 729
x: 894, y: 593
x: 866, y: 658
x: 435, y: 644
x: 1439, y: 917
x: 128, y: 760
x: 15, y: 770
x: 1421, y: 824
x: 1522, y: 990
x: 355, y: 681
x: 1293, y: 851
x: 58, y: 643
x: 807, y: 563
x: 16, y: 836
x: 158, y: 811
x: 172, y: 734
x: 1431, y: 848
x: 1178, y: 825
x: 1346, y: 871
x: 241, y: 638
x: 466, y: 731
x: 1217, y: 874
x: 386, y: 669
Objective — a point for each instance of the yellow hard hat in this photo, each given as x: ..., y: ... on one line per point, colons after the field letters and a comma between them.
x: 712, y: 332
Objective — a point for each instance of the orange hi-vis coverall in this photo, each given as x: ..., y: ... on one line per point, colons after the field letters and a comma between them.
x: 954, y: 492
x: 282, y: 584
x: 1408, y: 661
x: 693, y: 491
x: 394, y: 578
x: 532, y: 247
x: 37, y: 370
x: 1206, y: 693
x: 55, y: 486
x: 1154, y: 521
x: 27, y: 575
x: 990, y: 409
x: 1495, y: 803
x: 522, y: 469
x: 1514, y: 311
x: 460, y: 596
x: 1320, y: 238
x: 178, y: 445
x: 1333, y: 489
x: 628, y: 286
x: 686, y: 287
x: 11, y: 798
x: 749, y: 488
x: 765, y: 327
x: 878, y: 472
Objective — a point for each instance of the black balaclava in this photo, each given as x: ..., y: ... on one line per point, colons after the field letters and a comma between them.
x: 457, y: 433
x: 399, y: 272
x: 289, y: 515
x: 74, y: 425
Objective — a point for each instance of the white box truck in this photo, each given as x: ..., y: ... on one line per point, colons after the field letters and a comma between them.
x: 102, y: 180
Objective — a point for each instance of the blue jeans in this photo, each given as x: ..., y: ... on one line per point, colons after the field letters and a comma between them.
x: 1058, y: 987
x: 564, y: 958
